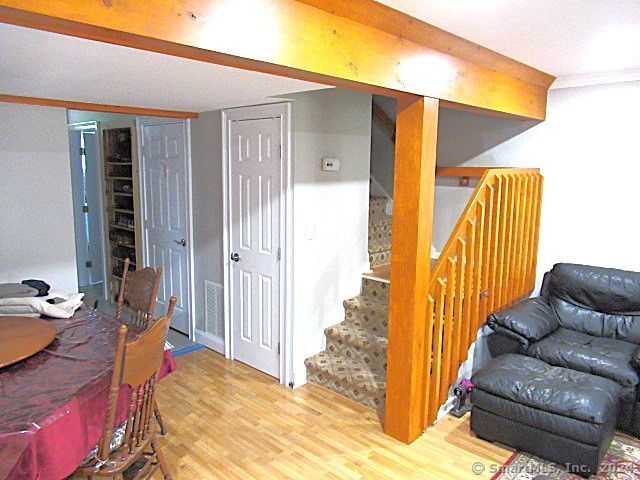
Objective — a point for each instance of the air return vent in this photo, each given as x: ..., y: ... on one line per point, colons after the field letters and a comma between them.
x: 213, y: 322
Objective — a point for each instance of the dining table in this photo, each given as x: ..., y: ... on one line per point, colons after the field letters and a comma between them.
x: 53, y: 403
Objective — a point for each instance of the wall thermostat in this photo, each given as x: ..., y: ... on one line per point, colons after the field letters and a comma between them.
x: 330, y: 164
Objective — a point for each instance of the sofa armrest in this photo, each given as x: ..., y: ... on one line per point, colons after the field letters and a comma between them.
x: 503, y: 341
x: 635, y: 359
x: 532, y: 319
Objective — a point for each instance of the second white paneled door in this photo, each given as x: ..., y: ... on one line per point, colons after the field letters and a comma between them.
x: 255, y: 168
x: 165, y: 214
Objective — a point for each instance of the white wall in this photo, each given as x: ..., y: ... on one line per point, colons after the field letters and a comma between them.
x: 588, y: 150
x: 330, y: 212
x: 37, y: 239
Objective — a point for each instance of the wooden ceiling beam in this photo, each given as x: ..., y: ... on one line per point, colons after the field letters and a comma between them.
x: 299, y: 40
x: 96, y: 107
x: 390, y: 20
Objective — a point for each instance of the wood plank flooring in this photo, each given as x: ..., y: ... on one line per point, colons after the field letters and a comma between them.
x: 229, y: 421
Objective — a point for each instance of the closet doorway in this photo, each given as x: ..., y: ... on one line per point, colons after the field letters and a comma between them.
x: 87, y: 206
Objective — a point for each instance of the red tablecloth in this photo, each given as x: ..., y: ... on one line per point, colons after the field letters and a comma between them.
x: 53, y: 404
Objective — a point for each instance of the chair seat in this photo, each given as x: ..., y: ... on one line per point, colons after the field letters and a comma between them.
x: 606, y: 357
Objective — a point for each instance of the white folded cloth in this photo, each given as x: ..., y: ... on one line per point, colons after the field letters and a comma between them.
x: 40, y: 306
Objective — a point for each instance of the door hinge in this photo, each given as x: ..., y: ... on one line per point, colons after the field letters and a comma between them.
x: 83, y: 151
x: 279, y: 253
x: 280, y: 151
x: 278, y: 348
x: 88, y: 264
x: 85, y: 208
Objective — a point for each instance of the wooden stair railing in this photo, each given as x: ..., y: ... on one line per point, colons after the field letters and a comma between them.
x: 488, y: 262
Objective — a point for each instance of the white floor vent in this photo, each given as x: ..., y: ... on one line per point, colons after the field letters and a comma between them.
x: 214, y: 310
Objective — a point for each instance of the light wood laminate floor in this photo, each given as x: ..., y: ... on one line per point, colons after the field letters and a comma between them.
x: 229, y: 421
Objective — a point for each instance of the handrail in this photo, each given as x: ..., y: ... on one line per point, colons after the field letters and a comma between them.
x: 488, y: 262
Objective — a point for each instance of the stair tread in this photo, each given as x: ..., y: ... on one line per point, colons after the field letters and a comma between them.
x: 381, y: 245
x: 354, y: 372
x: 357, y: 334
x: 366, y: 302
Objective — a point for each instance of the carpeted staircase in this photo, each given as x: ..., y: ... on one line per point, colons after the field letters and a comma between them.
x: 354, y: 363
x: 379, y: 232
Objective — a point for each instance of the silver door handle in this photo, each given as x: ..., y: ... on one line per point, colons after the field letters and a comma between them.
x: 235, y: 257
x: 182, y: 242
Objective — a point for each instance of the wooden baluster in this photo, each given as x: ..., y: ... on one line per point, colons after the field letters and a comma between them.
x: 456, y: 343
x: 448, y: 327
x: 536, y: 229
x: 507, y: 279
x: 438, y: 345
x: 467, y: 318
x: 479, y: 271
x: 502, y: 245
x: 524, y: 202
x: 517, y: 239
x: 524, y: 285
x: 485, y: 251
x: 429, y: 336
x: 494, y: 281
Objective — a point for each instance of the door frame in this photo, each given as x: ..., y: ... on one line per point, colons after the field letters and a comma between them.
x: 271, y: 110
x: 142, y: 122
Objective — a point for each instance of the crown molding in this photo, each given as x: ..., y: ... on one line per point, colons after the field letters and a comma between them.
x: 584, y: 80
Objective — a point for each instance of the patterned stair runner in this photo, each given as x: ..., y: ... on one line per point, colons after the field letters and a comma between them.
x: 379, y: 232
x: 354, y: 363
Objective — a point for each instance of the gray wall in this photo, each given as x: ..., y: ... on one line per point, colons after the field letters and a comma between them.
x: 36, y: 212
x: 206, y: 164
x: 382, y: 146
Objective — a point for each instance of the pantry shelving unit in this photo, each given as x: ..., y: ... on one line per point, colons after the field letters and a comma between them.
x: 121, y: 200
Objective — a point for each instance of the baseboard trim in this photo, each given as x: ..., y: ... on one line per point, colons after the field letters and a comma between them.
x: 210, y: 341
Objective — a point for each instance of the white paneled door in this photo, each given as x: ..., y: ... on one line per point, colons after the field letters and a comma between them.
x: 165, y: 215
x: 254, y: 195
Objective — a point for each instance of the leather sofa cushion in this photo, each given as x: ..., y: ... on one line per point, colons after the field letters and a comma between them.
x: 598, y: 324
x: 562, y: 391
x: 532, y: 319
x: 606, y: 357
x: 605, y: 290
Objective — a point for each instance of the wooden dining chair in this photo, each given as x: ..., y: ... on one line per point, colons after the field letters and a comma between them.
x: 138, y: 294
x: 136, y: 364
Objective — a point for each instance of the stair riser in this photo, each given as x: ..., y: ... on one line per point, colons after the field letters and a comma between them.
x: 380, y: 232
x: 378, y: 206
x: 379, y: 258
x: 375, y: 289
x: 374, y: 355
x: 346, y: 390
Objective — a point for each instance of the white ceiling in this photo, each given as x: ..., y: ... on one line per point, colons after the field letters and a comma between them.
x: 42, y: 64
x: 565, y: 38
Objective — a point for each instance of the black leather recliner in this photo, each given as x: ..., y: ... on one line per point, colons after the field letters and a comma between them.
x: 585, y: 319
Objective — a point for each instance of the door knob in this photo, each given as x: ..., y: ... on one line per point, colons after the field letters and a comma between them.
x: 182, y: 242
x: 235, y: 257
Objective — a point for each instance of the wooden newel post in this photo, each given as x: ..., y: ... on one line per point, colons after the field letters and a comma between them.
x: 414, y: 184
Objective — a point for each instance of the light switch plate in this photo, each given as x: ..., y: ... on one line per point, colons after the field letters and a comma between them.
x: 330, y: 164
